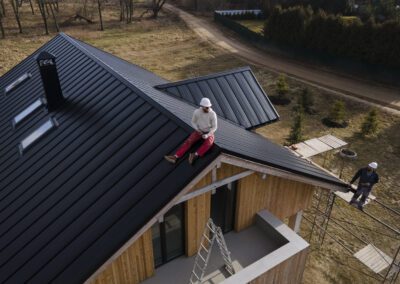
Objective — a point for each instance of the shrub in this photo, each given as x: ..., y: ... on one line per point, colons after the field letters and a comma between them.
x: 306, y: 101
x: 337, y: 114
x: 296, y: 132
x: 282, y: 88
x: 370, y: 124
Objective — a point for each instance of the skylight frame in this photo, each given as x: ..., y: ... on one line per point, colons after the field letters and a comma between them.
x: 21, y: 79
x: 37, y: 134
x: 27, y: 112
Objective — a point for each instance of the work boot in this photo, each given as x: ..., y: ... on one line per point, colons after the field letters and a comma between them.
x: 360, y: 207
x: 192, y: 158
x: 172, y: 159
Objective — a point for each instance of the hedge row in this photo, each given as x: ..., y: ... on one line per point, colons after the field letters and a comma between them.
x: 335, y: 35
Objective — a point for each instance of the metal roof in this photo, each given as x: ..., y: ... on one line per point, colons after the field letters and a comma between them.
x: 235, y: 94
x: 76, y: 196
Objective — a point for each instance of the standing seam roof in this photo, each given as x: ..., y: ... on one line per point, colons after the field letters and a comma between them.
x: 236, y: 95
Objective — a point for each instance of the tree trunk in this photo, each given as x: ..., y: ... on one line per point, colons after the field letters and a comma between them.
x: 157, y: 6
x: 33, y: 10
x: 16, y: 13
x: 100, y: 16
x: 3, y: 8
x: 43, y: 13
x: 122, y: 11
x: 54, y: 17
x: 3, y: 35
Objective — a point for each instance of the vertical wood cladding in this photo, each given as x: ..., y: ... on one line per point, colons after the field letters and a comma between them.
x: 197, y: 210
x: 289, y: 271
x: 281, y: 197
x: 132, y: 266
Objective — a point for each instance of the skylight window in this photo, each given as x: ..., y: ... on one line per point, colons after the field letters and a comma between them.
x: 27, y: 112
x: 37, y: 134
x: 17, y: 82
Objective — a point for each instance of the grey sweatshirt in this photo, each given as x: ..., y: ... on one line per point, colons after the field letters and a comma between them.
x: 204, y: 122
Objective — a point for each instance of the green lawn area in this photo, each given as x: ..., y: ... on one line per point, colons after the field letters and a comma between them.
x: 253, y: 25
x: 168, y: 48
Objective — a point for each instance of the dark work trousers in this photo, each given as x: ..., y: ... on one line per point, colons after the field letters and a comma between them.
x: 362, y: 190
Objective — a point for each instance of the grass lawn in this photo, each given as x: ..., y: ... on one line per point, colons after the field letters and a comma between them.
x: 253, y: 25
x: 168, y: 48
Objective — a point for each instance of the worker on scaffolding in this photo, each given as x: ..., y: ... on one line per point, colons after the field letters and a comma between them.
x: 367, y: 178
x: 204, y: 121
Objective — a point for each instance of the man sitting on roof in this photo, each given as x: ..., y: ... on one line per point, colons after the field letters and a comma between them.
x: 368, y: 177
x: 204, y: 122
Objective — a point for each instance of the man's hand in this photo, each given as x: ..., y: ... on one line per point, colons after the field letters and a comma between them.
x: 205, y: 136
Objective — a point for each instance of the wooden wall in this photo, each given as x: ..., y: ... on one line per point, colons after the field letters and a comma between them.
x: 289, y: 271
x: 132, y: 266
x: 198, y: 209
x: 281, y: 197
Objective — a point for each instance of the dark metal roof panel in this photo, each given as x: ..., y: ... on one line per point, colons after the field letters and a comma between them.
x: 76, y: 196
x: 236, y: 95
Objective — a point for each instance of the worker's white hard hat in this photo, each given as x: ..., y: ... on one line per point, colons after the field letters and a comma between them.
x: 205, y: 102
x: 373, y: 165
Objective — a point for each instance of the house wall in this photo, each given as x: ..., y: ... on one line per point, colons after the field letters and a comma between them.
x: 289, y: 271
x: 132, y: 266
x: 197, y: 210
x: 281, y: 197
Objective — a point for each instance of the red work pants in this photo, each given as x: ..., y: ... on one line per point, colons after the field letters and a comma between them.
x: 193, y: 138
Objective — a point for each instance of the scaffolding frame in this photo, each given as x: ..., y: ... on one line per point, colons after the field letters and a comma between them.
x: 324, y: 203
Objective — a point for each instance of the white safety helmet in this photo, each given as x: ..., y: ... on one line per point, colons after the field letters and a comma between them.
x: 205, y: 102
x: 373, y: 165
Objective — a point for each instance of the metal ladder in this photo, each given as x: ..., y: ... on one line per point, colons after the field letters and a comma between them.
x: 211, y: 234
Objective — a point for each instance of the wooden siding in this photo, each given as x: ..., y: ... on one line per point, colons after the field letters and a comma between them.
x: 133, y: 266
x: 289, y: 271
x: 197, y: 210
x: 281, y: 197
x: 197, y: 213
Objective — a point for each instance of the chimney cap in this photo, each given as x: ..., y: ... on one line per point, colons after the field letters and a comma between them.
x: 44, y: 55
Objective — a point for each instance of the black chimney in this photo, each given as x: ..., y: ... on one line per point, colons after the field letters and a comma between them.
x: 51, y: 82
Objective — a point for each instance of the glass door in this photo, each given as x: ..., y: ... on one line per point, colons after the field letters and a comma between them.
x: 168, y: 236
x: 223, y: 207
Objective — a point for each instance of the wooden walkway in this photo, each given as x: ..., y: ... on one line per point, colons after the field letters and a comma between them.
x: 373, y: 258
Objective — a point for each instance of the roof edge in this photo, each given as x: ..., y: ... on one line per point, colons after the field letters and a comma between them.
x: 205, y: 77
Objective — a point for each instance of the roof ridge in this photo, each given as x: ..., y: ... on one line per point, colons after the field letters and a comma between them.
x: 126, y: 82
x: 205, y: 77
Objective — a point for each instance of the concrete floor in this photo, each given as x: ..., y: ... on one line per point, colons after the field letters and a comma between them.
x: 246, y: 247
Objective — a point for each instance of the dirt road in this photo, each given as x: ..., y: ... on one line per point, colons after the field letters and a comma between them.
x: 388, y: 98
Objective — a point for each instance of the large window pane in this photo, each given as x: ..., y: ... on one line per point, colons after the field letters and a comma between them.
x: 173, y: 222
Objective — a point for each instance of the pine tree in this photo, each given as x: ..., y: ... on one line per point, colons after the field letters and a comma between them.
x: 282, y: 86
x: 296, y: 132
x: 306, y: 100
x: 370, y: 124
x: 337, y: 113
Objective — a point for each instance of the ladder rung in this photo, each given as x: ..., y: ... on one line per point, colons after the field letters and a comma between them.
x: 201, y: 245
x: 201, y: 257
x: 204, y: 235
x: 194, y: 273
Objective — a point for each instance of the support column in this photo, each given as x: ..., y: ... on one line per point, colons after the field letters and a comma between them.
x: 295, y: 221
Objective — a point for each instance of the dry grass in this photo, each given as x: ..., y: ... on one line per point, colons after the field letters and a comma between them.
x: 166, y: 47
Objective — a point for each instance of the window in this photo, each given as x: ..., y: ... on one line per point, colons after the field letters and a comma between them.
x: 168, y: 236
x: 27, y: 112
x: 17, y: 82
x: 37, y: 134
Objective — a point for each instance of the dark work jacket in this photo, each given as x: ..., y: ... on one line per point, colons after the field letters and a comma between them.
x: 364, y: 178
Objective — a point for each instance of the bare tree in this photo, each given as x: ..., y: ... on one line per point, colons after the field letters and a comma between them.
x: 100, y: 16
x: 33, y: 10
x: 3, y: 35
x: 43, y: 13
x: 157, y: 6
x: 16, y: 13
x: 54, y: 17
x: 3, y: 8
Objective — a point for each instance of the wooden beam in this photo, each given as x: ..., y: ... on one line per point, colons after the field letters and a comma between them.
x: 232, y: 160
x: 214, y: 185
